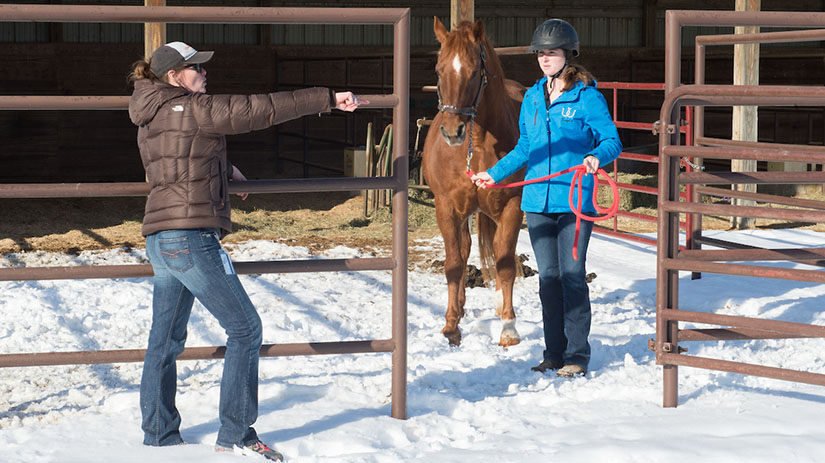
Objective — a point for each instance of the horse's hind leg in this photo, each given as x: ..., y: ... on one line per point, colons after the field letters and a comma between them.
x: 504, y: 247
x: 456, y: 250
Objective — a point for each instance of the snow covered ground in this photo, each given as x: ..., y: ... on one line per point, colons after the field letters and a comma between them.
x: 478, y: 402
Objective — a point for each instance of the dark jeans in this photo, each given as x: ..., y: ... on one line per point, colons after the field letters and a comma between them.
x: 565, y: 297
x: 190, y: 264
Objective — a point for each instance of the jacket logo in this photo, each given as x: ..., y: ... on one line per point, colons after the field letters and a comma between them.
x: 568, y: 113
x: 177, y: 108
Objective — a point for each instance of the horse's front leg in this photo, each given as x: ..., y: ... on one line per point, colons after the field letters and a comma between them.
x: 504, y: 248
x: 456, y: 249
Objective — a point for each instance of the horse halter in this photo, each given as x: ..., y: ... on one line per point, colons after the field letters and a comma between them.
x: 470, y: 111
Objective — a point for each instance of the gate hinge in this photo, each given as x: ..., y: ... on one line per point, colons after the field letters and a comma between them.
x: 657, y: 127
x: 667, y: 347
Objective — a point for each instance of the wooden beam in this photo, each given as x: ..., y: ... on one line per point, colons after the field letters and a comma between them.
x: 649, y: 39
x: 461, y: 10
x: 154, y: 34
x: 745, y: 123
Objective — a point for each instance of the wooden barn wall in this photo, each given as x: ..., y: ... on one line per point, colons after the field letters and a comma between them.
x: 621, y: 41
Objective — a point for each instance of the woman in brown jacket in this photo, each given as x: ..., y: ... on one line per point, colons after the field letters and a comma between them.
x: 181, y: 137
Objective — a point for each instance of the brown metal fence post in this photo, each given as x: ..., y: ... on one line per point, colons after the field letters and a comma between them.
x: 668, y: 245
x: 666, y: 284
x: 401, y: 166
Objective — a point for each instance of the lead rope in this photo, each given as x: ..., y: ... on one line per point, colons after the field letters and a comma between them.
x: 470, y: 146
x: 575, y: 185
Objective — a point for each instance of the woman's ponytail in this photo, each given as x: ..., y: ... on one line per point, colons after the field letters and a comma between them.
x: 141, y: 70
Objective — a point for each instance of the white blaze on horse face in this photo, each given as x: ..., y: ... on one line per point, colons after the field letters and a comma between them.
x: 456, y: 64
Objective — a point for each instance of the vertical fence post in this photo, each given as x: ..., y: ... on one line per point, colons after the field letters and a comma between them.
x: 667, y: 280
x: 154, y: 34
x: 401, y: 122
x: 745, y: 118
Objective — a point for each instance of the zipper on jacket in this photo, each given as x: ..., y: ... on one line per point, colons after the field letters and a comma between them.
x: 547, y: 125
x: 549, y: 137
x: 222, y: 193
x: 221, y: 178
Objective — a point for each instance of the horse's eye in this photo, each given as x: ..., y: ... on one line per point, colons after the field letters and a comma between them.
x: 475, y: 73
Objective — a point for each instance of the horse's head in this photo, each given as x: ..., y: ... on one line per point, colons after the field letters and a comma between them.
x: 462, y: 76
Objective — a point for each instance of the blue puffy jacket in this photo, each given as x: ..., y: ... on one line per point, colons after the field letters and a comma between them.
x: 578, y: 124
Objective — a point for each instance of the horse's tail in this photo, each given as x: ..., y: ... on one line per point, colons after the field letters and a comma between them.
x: 486, y: 232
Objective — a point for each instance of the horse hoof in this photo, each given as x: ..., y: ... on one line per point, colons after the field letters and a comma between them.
x: 509, y: 335
x: 454, y: 337
x: 506, y: 341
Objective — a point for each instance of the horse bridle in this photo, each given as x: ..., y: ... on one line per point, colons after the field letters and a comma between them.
x: 470, y: 111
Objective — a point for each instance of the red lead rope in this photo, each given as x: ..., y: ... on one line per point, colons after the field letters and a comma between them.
x: 576, y: 185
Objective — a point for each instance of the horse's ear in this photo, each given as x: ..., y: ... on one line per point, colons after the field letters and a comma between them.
x: 478, y: 31
x: 440, y: 30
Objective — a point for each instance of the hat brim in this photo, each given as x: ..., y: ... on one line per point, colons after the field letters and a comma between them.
x: 200, y: 57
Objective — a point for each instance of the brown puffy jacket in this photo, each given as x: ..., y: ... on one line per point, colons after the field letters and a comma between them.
x: 182, y: 143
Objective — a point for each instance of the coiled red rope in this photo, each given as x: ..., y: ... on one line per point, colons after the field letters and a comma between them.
x: 580, y: 172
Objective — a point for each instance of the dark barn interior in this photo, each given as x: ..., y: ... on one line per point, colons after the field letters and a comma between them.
x: 621, y: 41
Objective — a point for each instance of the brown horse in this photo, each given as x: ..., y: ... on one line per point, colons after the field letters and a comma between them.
x: 476, y: 125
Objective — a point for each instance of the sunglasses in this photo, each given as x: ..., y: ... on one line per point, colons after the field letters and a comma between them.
x: 196, y: 67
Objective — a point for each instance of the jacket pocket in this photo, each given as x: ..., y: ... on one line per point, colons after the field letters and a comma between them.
x: 216, y: 183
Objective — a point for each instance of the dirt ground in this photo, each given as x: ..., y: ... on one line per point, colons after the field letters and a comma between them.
x: 318, y: 221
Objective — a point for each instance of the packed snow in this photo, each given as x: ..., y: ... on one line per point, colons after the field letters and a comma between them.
x: 476, y: 402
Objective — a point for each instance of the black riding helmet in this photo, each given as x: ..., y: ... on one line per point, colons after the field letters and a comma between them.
x: 555, y: 33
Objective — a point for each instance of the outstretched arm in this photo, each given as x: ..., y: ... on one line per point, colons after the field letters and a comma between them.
x: 347, y: 101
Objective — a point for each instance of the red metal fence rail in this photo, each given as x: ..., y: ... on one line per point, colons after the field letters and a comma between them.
x: 398, y: 101
x: 650, y: 158
x: 671, y: 260
x: 686, y: 129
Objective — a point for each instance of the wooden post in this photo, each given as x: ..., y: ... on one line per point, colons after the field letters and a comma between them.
x: 461, y: 10
x: 650, y: 23
x: 745, y: 123
x: 154, y: 34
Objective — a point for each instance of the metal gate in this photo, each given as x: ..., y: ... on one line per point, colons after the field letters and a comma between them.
x: 670, y: 259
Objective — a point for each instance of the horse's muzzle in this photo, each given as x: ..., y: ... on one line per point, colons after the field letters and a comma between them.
x: 455, y: 138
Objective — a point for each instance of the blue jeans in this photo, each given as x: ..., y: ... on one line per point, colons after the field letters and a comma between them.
x: 190, y: 264
x: 565, y: 297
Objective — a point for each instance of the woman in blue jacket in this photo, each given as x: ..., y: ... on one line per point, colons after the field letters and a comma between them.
x: 564, y: 122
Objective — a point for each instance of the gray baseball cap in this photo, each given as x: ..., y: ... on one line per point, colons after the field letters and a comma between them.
x: 175, y: 54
